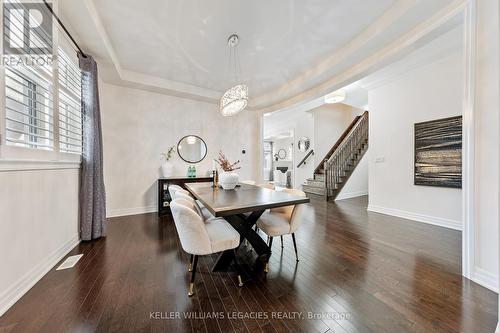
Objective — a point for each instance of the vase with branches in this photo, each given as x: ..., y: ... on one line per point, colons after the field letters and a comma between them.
x: 166, y: 156
x: 229, y: 178
x: 167, y: 167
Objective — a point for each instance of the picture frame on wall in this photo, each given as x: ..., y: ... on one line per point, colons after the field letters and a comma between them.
x: 438, y: 152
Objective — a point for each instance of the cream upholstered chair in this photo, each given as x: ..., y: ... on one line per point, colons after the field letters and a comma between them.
x: 282, y: 221
x: 201, y: 210
x: 202, y: 238
x: 172, y: 189
x: 269, y: 187
x: 181, y: 191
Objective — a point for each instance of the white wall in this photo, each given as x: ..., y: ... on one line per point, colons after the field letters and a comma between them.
x: 38, y: 226
x: 426, y: 93
x: 138, y: 125
x: 301, y: 124
x: 487, y: 151
x: 357, y: 184
x: 330, y: 122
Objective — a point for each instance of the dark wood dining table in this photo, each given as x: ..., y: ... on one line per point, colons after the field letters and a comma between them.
x: 242, y: 208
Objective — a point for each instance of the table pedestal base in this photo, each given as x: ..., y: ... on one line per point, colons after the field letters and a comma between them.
x: 244, y: 225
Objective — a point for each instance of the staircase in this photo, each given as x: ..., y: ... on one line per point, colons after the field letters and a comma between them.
x: 340, y: 162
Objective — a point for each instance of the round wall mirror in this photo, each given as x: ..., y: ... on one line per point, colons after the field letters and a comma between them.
x: 192, y: 149
x: 282, y: 154
x: 304, y: 143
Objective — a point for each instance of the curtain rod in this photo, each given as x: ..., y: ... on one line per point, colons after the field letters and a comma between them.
x: 64, y: 28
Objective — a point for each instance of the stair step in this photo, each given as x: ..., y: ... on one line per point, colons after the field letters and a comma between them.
x: 319, y: 177
x: 313, y: 189
x: 315, y: 182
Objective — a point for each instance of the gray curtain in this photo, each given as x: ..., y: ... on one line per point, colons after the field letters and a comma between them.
x: 92, y: 193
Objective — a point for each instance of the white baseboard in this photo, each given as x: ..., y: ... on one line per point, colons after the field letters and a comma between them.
x: 485, y: 278
x: 439, y: 221
x: 131, y: 211
x: 349, y: 195
x: 10, y: 296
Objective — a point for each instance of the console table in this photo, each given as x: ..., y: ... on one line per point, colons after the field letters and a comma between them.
x: 163, y: 194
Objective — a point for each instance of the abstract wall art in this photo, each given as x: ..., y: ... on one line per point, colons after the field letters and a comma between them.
x: 438, y: 153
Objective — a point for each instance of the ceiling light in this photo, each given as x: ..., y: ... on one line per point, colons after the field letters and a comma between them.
x: 235, y: 99
x: 335, y: 97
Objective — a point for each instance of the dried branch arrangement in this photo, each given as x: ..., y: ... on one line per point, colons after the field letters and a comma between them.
x: 168, y: 155
x: 225, y: 164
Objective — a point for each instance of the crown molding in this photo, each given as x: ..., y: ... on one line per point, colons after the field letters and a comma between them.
x: 377, y: 60
x: 145, y: 81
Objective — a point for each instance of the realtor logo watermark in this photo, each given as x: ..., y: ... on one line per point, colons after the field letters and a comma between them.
x: 279, y: 315
x: 27, y: 34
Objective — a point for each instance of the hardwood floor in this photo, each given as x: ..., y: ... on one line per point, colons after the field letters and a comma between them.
x: 358, y: 272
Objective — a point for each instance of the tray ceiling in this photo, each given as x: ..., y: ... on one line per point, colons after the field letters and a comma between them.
x: 286, y: 47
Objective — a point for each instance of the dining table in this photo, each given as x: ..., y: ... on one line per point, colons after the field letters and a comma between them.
x: 242, y: 207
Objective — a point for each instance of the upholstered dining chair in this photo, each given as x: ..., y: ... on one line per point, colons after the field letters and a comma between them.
x: 202, y: 238
x: 172, y: 189
x: 282, y: 221
x: 183, y: 192
x: 200, y: 209
x: 269, y: 187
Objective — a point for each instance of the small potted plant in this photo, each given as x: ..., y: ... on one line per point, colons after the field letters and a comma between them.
x: 167, y: 167
x: 228, y: 179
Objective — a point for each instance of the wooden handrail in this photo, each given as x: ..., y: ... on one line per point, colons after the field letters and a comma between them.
x: 339, y: 141
x: 311, y: 152
x: 340, y: 164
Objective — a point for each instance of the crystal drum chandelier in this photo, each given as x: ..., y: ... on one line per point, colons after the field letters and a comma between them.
x: 235, y: 99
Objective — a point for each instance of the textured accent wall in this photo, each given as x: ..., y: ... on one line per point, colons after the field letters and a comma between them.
x: 139, y: 125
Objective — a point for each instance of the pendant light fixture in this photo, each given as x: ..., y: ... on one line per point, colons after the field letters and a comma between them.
x: 235, y: 99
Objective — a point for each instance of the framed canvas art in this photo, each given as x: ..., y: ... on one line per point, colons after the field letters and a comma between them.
x: 438, y: 153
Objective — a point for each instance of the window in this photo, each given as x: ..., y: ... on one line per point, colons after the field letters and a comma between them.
x: 28, y: 109
x: 34, y: 98
x: 70, y: 114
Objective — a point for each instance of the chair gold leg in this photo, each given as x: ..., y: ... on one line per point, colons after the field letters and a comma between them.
x: 193, y: 273
x: 266, y: 268
x: 190, y: 267
x: 240, y: 282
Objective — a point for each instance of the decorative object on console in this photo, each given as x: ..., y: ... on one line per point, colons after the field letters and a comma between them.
x: 215, y: 175
x: 228, y: 179
x: 438, y: 153
x: 191, y: 171
x: 167, y: 168
x: 192, y: 149
x: 303, y: 144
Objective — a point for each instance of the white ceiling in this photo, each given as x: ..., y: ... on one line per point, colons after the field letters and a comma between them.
x: 448, y: 42
x: 179, y: 46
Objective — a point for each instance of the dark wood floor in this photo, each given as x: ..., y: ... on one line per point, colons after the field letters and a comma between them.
x: 359, y: 272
